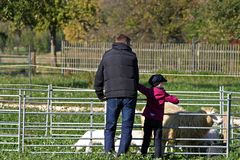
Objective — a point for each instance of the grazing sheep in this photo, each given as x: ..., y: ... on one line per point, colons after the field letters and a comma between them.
x: 90, y: 138
x: 212, y: 134
x: 137, y: 139
x: 175, y: 126
x: 215, y: 146
x: 213, y: 138
x: 98, y: 138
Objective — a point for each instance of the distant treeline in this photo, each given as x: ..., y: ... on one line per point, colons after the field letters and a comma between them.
x: 41, y: 23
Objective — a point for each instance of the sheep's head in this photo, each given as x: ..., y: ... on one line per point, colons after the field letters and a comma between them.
x: 212, y: 117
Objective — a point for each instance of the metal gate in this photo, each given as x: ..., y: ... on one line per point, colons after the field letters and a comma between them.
x: 47, y: 119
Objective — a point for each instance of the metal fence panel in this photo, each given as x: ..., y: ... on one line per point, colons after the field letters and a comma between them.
x: 53, y: 124
x: 10, y: 130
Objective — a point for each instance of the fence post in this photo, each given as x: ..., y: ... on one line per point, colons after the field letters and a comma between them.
x: 19, y: 118
x: 229, y: 96
x: 49, y: 111
x: 62, y: 57
x: 23, y: 122
x: 34, y: 62
x: 29, y: 65
x: 221, y: 90
x: 91, y: 124
x: 221, y: 104
x: 194, y: 43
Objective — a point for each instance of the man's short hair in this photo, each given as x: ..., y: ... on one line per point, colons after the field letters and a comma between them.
x: 123, y: 39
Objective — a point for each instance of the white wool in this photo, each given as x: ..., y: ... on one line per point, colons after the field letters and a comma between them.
x: 97, y: 137
x: 137, y: 139
x: 171, y: 105
x: 236, y: 121
x: 212, y: 134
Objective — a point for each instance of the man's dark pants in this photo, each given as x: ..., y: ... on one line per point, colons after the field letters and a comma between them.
x: 149, y: 126
x: 114, y: 107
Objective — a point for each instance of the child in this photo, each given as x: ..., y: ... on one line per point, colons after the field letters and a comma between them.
x: 154, y: 111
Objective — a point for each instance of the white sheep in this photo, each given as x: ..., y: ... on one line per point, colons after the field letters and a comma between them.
x: 137, y: 139
x: 213, y: 138
x: 97, y: 137
x: 212, y: 134
x: 215, y: 146
x: 89, y: 138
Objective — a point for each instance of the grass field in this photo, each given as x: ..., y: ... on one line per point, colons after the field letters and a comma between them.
x: 26, y: 156
x: 86, y: 79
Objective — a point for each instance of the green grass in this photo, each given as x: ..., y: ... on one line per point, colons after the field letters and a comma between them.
x: 93, y: 156
x: 83, y: 80
x: 86, y: 80
x: 197, y: 83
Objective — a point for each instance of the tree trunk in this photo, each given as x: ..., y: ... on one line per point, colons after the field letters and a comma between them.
x: 53, y: 45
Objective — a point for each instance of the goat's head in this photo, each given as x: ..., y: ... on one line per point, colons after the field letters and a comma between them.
x: 212, y: 115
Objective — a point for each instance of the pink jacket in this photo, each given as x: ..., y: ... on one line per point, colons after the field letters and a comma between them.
x: 155, y: 101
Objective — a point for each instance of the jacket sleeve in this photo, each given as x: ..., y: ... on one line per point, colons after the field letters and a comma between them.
x: 160, y: 96
x: 171, y: 98
x: 144, y: 90
x: 99, y: 81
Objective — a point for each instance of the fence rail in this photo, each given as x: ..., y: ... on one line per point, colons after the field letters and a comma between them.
x: 53, y: 121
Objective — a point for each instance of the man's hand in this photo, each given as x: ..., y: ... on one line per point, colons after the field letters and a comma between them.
x: 102, y: 98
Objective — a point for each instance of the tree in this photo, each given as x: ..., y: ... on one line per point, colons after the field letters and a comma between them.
x: 52, y: 15
x: 146, y: 20
x: 215, y: 21
x: 3, y: 41
x: 226, y: 15
x: 62, y: 14
x: 83, y: 18
x: 18, y: 14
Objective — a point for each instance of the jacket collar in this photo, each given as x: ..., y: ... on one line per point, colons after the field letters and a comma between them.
x: 121, y: 46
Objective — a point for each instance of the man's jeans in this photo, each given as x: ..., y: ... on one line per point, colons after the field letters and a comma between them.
x: 114, y: 107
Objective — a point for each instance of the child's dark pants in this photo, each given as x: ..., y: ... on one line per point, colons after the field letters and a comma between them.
x: 149, y: 126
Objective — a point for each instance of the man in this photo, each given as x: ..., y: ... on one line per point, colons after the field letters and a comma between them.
x: 118, y: 75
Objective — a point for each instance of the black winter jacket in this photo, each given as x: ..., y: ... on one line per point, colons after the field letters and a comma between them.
x: 117, y: 73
